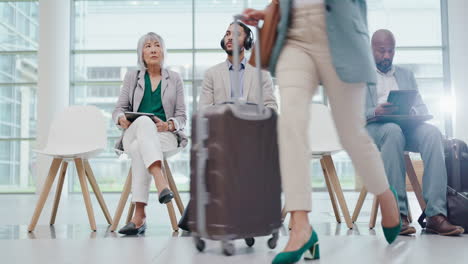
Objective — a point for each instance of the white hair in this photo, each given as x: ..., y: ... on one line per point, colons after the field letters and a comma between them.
x: 141, y: 43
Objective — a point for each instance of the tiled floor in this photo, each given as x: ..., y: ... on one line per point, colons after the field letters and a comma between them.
x: 71, y: 240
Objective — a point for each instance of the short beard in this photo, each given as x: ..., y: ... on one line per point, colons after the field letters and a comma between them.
x: 383, y: 68
x: 231, y: 52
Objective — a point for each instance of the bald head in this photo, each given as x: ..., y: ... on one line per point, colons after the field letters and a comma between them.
x: 383, y: 36
x: 383, y: 49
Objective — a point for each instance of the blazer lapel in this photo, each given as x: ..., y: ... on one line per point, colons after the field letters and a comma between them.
x: 372, y: 89
x: 139, y: 90
x: 400, y: 80
x: 227, y: 80
x: 164, y: 82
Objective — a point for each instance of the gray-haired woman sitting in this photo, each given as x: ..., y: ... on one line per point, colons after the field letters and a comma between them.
x: 159, y: 91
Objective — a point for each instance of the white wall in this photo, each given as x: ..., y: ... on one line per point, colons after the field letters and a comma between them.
x: 458, y: 44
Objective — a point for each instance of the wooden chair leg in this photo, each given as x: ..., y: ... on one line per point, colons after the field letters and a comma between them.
x: 172, y: 216
x: 44, y: 193
x: 331, y: 191
x: 173, y: 186
x: 122, y: 201
x: 414, y: 181
x: 374, y: 211
x: 97, y: 191
x: 131, y: 210
x: 58, y: 192
x: 84, y: 189
x: 338, y: 191
x: 359, y: 204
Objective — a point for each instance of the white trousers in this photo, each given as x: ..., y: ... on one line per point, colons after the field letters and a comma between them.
x: 145, y: 145
x: 305, y: 61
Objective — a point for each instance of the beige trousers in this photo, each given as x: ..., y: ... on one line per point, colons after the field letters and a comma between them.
x: 305, y: 62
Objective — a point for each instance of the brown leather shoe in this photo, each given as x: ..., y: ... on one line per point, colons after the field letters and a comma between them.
x: 406, y: 227
x: 439, y: 224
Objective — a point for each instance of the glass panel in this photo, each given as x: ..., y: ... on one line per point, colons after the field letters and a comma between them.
x: 18, y: 32
x: 407, y: 18
x: 423, y: 63
x: 17, y: 120
x: 17, y: 111
x: 119, y: 24
x: 206, y: 60
x: 20, y: 27
x: 212, y: 18
x: 432, y: 93
x: 18, y: 68
x: 112, y: 67
x: 17, y: 166
x: 211, y: 21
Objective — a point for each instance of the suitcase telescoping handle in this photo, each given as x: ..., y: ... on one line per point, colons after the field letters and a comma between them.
x: 202, y: 130
x: 260, y: 103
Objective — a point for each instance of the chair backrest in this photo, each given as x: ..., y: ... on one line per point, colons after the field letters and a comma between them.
x: 322, y: 133
x: 77, y: 129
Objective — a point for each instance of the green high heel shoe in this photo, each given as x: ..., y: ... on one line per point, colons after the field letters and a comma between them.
x: 311, y: 250
x: 391, y: 233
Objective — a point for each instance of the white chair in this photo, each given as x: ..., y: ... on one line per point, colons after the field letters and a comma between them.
x: 170, y: 208
x: 78, y: 133
x: 323, y: 141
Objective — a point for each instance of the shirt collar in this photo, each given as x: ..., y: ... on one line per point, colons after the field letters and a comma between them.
x: 390, y: 73
x: 230, y: 65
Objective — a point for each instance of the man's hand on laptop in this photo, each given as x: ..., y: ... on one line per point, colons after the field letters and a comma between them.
x: 385, y: 109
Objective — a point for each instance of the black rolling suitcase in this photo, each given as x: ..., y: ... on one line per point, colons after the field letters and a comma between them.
x: 456, y: 163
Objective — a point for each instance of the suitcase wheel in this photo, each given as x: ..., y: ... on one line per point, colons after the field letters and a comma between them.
x: 250, y: 241
x: 228, y: 248
x: 200, y: 244
x: 273, y: 240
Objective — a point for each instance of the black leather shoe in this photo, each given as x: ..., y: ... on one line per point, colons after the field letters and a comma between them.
x: 130, y: 229
x: 165, y: 196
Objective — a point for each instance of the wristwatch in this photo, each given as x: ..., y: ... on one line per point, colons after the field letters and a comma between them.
x: 170, y: 126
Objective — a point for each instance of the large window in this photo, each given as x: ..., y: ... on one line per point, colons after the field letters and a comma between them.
x: 18, y: 84
x: 104, y: 36
x: 104, y: 40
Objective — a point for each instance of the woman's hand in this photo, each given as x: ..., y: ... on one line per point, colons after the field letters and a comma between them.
x: 252, y: 16
x: 160, y: 125
x: 123, y: 122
